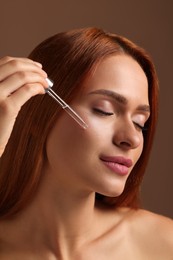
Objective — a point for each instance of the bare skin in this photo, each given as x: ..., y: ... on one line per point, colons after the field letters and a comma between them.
x: 121, y: 234
x: 63, y: 222
x: 20, y: 79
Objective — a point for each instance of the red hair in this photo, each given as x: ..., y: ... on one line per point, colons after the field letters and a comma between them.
x: 68, y: 58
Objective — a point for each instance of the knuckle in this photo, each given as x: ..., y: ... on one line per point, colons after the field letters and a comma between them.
x: 33, y: 89
x: 7, y: 59
x: 14, y: 63
x: 29, y: 88
x: 22, y: 75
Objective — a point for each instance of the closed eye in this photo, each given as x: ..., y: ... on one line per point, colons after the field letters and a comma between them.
x: 140, y: 127
x: 102, y: 112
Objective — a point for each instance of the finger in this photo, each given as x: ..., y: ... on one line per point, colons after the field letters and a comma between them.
x: 10, y: 107
x: 19, y: 79
x: 7, y: 59
x: 14, y: 102
x: 13, y: 66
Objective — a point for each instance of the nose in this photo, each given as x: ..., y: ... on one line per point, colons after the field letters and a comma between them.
x: 126, y: 135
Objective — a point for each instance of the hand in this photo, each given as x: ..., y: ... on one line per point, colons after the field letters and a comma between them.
x: 20, y: 79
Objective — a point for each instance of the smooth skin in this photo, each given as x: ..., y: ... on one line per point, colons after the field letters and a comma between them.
x: 20, y: 79
x: 63, y: 221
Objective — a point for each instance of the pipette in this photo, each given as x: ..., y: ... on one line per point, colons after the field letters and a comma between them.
x: 65, y: 106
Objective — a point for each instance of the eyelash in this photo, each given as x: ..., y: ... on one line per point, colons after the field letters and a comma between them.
x: 104, y: 113
x: 141, y: 128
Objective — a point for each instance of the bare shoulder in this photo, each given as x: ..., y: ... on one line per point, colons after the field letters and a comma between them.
x: 149, y: 221
x: 137, y: 234
x: 153, y: 232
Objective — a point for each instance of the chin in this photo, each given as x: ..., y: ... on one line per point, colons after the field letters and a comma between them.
x: 113, y: 191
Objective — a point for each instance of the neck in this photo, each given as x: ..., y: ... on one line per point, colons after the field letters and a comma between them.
x: 61, y: 217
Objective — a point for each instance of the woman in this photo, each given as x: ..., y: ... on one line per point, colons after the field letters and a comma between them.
x: 70, y: 193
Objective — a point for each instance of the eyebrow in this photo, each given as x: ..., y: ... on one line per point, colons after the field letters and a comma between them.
x: 119, y: 98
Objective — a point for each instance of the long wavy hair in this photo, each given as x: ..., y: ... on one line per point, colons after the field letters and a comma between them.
x: 68, y: 58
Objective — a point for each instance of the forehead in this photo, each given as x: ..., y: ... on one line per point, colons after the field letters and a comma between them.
x: 122, y: 74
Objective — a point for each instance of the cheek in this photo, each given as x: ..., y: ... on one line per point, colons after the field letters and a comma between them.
x: 70, y: 143
x: 139, y: 149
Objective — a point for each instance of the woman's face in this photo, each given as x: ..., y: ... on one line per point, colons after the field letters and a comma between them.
x: 114, y: 104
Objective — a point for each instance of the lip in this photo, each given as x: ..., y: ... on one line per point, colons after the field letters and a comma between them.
x: 118, y: 164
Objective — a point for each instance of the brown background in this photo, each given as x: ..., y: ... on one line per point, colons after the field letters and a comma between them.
x: 23, y: 24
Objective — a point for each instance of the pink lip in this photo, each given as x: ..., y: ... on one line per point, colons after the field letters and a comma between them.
x: 118, y: 164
